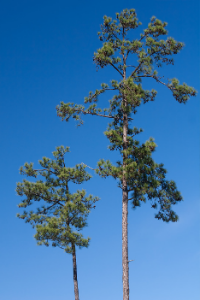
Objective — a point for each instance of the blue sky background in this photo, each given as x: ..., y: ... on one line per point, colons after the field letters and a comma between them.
x: 46, y: 57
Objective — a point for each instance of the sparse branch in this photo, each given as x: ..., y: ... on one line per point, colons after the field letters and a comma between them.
x: 156, y: 78
x: 87, y: 166
x: 136, y: 69
x: 115, y: 35
x: 47, y: 208
x: 115, y: 68
x: 56, y: 201
x: 100, y: 115
x: 141, y: 64
x: 42, y: 170
x: 142, y: 37
x: 131, y: 66
x: 100, y: 92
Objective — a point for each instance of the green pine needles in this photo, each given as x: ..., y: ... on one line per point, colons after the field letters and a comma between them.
x: 145, y: 179
x: 59, y: 215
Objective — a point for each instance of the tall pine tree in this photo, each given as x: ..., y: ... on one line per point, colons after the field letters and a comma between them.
x: 60, y: 215
x: 137, y: 173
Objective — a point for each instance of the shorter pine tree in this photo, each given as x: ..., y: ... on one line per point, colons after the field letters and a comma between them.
x: 61, y: 214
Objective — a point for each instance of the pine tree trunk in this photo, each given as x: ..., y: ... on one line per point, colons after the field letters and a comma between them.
x: 76, y: 292
x: 125, y: 263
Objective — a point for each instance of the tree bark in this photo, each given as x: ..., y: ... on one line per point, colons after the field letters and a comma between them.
x: 125, y: 263
x: 76, y: 292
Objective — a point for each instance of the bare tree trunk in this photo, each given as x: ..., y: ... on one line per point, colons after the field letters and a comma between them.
x: 125, y: 264
x: 76, y: 292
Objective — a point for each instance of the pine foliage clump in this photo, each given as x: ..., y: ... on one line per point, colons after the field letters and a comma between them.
x: 59, y: 215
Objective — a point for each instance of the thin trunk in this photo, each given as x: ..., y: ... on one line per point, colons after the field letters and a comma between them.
x: 125, y: 264
x: 76, y: 292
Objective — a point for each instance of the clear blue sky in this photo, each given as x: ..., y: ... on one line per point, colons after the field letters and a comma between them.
x: 46, y: 57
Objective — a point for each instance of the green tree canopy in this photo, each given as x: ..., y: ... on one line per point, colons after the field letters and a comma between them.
x: 60, y: 214
x: 143, y: 176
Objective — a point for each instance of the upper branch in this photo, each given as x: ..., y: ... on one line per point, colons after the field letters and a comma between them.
x: 116, y: 68
x: 180, y: 92
x: 67, y: 110
x: 93, y: 97
x: 105, y: 116
x: 47, y: 208
x: 156, y: 78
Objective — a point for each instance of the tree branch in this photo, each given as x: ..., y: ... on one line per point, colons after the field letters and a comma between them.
x: 101, y: 91
x: 47, y: 199
x: 136, y: 69
x: 87, y: 166
x: 131, y: 66
x: 47, y: 208
x: 154, y: 77
x: 141, y: 63
x: 100, y: 115
x: 115, y: 68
